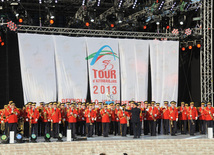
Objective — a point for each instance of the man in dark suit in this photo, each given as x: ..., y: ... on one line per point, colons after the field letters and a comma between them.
x: 135, y: 119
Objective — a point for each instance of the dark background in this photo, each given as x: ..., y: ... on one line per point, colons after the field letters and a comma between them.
x: 11, y: 83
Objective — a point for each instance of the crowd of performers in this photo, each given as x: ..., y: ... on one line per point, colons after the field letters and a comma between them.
x: 88, y: 119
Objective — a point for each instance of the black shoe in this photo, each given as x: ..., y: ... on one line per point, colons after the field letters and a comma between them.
x: 138, y: 137
x: 134, y: 137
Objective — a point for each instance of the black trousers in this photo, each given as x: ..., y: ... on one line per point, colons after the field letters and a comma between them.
x: 111, y: 127
x: 13, y: 127
x: 173, y: 127
x: 89, y: 129
x: 146, y: 127
x: 6, y: 131
x: 123, y: 129
x: 152, y: 125
x: 183, y: 126
x: 105, y: 129
x: 40, y: 128
x: 210, y: 124
x: 49, y: 127
x: 99, y: 128
x: 78, y: 128
x: 55, y: 132
x: 83, y: 128
x: 192, y: 127
x: 62, y: 128
x: 46, y: 128
x: 26, y: 129
x: 72, y: 126
x: 202, y: 126
x: 118, y: 128
x: 158, y: 124
x: 34, y: 129
x: 140, y: 128
x: 136, y: 126
x: 115, y: 128
x: 130, y: 127
x: 165, y: 126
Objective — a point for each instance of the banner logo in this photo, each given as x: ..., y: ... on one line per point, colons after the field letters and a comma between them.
x: 101, y: 53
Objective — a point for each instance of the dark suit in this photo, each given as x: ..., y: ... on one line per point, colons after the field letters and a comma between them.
x: 135, y: 121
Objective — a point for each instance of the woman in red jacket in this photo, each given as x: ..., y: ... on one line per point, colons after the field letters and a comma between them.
x: 13, y: 118
x: 90, y: 116
x: 33, y: 116
x: 123, y: 116
x: 72, y: 119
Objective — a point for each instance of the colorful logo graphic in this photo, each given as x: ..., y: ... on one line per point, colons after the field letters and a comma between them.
x: 101, y: 53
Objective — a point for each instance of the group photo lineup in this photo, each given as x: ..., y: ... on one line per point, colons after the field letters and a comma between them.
x: 106, y: 77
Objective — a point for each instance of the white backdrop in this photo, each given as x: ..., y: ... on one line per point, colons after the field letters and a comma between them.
x: 164, y: 70
x: 134, y: 69
x: 103, y: 62
x: 57, y: 67
x: 71, y: 68
x: 37, y: 67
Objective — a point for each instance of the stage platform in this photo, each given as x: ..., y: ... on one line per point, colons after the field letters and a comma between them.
x: 116, y: 145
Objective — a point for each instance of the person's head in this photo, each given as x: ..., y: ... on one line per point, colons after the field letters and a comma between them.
x: 55, y: 105
x: 182, y: 104
x: 202, y: 105
x: 100, y: 105
x: 105, y: 106
x: 50, y: 105
x: 124, y: 106
x: 191, y: 104
x: 172, y: 104
x: 135, y: 105
x: 33, y: 106
x: 111, y: 106
x: 46, y: 106
x: 117, y: 105
x: 13, y: 105
x: 72, y: 106
x: 90, y: 106
x: 209, y: 105
x: 186, y: 105
x: 41, y: 104
x: 145, y: 104
x: 93, y: 105
x: 153, y: 103
x: 166, y: 103
x: 83, y: 105
x: 158, y: 105
x: 62, y: 106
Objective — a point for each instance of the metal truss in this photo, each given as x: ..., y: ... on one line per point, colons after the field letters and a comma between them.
x: 95, y: 33
x: 207, y: 52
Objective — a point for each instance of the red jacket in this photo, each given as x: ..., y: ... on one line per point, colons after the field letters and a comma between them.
x: 106, y: 114
x: 13, y: 115
x: 183, y: 113
x: 123, y: 117
x: 202, y: 113
x: 159, y: 116
x: 173, y: 113
x: 45, y: 115
x: 63, y: 114
x: 79, y: 115
x: 209, y: 113
x: 98, y: 115
x: 72, y: 115
x: 165, y: 113
x: 192, y: 112
x: 33, y: 116
x: 117, y: 111
x: 90, y: 116
x: 113, y: 115
x: 55, y: 115
x: 154, y: 112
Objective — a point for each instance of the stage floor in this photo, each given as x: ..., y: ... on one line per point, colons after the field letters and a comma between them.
x: 147, y: 137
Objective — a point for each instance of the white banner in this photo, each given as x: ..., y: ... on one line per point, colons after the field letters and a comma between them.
x: 134, y: 69
x: 71, y: 68
x: 103, y: 62
x: 37, y: 67
x: 164, y: 70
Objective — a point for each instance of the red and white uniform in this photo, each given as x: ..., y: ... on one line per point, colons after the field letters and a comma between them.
x: 209, y: 113
x: 33, y: 116
x: 90, y: 116
x: 106, y: 114
x: 72, y: 115
x: 55, y: 115
x: 173, y: 114
x: 192, y: 112
x: 123, y: 115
